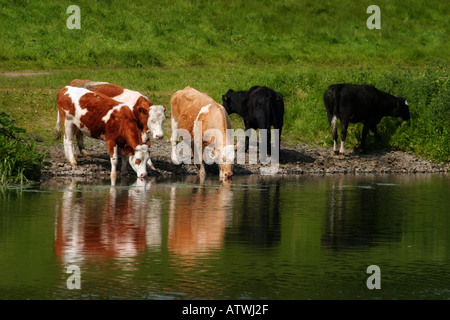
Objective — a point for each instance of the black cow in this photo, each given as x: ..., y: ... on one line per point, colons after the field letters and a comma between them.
x: 260, y: 107
x: 360, y: 103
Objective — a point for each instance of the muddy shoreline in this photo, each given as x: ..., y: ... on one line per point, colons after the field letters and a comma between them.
x: 297, y: 159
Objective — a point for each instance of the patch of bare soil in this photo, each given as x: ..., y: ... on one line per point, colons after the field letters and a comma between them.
x: 22, y: 74
x: 298, y: 159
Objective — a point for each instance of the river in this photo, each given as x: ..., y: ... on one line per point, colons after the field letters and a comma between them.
x: 275, y: 237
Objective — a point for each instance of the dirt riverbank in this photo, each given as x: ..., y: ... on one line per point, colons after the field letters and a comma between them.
x: 293, y: 159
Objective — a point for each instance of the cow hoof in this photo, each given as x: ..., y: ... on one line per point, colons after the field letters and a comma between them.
x: 73, y: 163
x: 336, y: 153
x: 341, y: 156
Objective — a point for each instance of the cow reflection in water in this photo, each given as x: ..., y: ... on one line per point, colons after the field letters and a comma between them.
x: 105, y: 225
x: 355, y: 217
x: 197, y: 219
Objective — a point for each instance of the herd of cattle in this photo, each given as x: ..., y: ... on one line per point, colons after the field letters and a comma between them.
x: 124, y: 119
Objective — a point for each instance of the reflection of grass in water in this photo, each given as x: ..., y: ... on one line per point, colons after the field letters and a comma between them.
x: 217, y: 187
x: 368, y: 187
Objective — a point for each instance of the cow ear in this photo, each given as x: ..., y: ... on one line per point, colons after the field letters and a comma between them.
x: 128, y: 150
x: 217, y: 154
x: 164, y: 106
x: 224, y: 158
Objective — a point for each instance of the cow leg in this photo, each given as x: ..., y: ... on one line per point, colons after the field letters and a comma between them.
x: 344, y: 127
x: 150, y: 164
x: 173, y: 141
x: 279, y: 136
x: 113, y: 154
x: 80, y: 140
x: 149, y: 161
x: 247, y: 139
x: 278, y: 125
x: 124, y: 167
x: 365, y: 131
x: 202, y: 171
x: 375, y: 131
x: 264, y: 123
x: 269, y: 137
x: 69, y: 130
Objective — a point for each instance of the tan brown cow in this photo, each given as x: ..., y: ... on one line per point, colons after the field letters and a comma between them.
x: 150, y: 117
x: 196, y: 112
x: 82, y: 111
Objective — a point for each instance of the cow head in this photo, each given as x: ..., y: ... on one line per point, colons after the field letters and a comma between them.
x: 220, y: 151
x: 138, y: 160
x: 156, y: 119
x: 401, y: 110
x: 225, y: 156
x: 227, y: 101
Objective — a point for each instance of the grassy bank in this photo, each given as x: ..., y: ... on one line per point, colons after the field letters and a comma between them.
x: 31, y: 100
x: 295, y: 47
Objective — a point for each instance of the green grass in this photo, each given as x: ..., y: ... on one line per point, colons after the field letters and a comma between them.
x: 295, y: 47
x: 19, y: 161
x: 168, y: 33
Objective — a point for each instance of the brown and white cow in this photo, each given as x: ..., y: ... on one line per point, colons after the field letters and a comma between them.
x: 82, y: 111
x: 195, y: 111
x: 150, y: 117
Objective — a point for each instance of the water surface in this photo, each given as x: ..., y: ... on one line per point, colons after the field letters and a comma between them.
x: 301, y: 237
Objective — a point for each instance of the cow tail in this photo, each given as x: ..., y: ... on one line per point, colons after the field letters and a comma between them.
x: 58, y: 127
x: 335, y: 108
x: 337, y: 97
x: 278, y: 112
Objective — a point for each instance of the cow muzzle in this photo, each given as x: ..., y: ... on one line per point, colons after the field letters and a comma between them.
x: 227, y: 175
x: 143, y: 175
